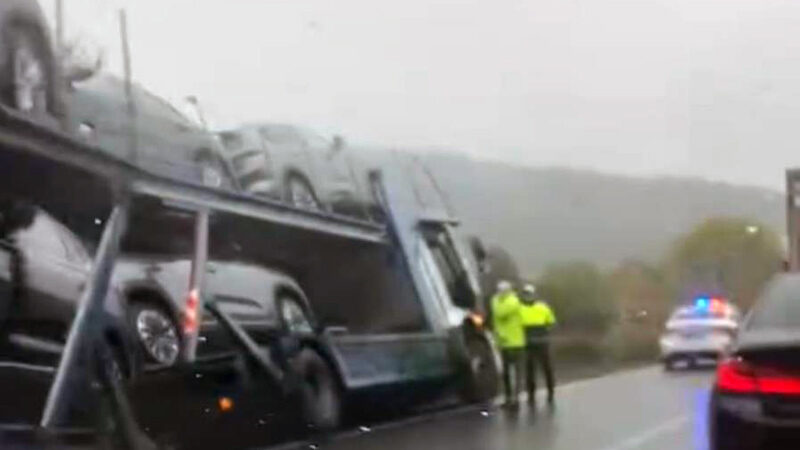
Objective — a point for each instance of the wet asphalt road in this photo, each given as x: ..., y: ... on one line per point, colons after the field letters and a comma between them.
x: 640, y: 409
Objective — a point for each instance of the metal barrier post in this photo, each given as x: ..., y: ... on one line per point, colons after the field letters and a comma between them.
x: 75, y: 365
x: 193, y: 310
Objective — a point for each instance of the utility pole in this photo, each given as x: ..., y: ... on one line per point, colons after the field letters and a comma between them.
x: 59, y: 26
x: 129, y: 100
x: 792, y: 218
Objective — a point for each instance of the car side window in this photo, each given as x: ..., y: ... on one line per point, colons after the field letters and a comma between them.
x: 149, y: 104
x: 42, y: 236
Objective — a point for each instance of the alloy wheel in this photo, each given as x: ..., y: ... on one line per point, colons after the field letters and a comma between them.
x: 158, y: 336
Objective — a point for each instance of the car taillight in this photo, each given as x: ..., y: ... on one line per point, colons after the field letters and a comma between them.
x: 775, y: 382
x: 735, y: 375
x: 190, y: 313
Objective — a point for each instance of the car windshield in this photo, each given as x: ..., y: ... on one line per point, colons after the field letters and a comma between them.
x: 353, y: 224
x: 281, y: 134
x: 688, y: 313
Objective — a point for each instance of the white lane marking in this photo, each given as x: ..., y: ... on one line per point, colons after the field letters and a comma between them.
x: 637, y: 440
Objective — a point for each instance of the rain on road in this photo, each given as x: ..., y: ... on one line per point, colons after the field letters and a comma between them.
x: 640, y: 409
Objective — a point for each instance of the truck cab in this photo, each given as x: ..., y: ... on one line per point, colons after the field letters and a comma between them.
x: 453, y: 343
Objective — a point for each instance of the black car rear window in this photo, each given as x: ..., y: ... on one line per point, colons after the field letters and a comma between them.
x: 779, y: 306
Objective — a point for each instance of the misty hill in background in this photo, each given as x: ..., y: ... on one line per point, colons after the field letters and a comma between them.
x: 546, y: 215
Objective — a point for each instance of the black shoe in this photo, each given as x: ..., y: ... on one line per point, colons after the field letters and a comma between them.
x: 551, y: 401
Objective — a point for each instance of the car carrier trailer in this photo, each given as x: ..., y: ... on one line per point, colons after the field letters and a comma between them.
x: 393, y: 303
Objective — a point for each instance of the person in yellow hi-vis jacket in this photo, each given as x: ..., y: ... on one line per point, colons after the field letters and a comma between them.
x: 510, y: 336
x: 537, y: 319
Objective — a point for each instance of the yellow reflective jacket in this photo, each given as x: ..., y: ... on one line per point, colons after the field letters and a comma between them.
x: 507, y: 321
x: 537, y: 314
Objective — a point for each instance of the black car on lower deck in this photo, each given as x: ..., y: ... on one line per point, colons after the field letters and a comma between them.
x: 44, y: 268
x: 755, y: 402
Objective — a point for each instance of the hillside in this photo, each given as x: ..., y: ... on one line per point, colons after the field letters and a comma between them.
x: 543, y: 215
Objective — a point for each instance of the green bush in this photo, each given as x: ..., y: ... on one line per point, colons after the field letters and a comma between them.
x: 581, y: 297
x: 632, y: 342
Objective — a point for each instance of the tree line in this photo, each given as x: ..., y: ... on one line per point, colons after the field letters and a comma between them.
x: 729, y: 257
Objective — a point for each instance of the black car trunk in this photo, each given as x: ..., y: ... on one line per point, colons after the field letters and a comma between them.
x: 776, y: 358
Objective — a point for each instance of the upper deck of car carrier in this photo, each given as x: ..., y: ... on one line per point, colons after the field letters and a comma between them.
x: 62, y: 165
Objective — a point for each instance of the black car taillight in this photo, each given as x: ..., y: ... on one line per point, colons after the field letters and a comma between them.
x: 735, y: 375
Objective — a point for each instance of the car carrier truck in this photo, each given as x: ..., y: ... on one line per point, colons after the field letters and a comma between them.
x: 378, y: 305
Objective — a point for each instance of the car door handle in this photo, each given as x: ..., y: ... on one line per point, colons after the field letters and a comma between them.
x: 336, y: 330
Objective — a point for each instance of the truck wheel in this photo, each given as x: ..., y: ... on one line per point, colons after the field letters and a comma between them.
x: 319, y: 393
x: 482, y: 377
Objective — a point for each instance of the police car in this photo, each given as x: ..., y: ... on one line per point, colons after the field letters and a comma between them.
x: 702, y: 330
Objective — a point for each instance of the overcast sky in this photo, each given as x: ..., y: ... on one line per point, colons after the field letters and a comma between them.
x: 705, y: 88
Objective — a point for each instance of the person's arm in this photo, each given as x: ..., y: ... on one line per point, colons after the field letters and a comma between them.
x: 504, y: 310
x: 551, y: 317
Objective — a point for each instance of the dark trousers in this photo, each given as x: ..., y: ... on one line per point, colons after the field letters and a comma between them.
x: 512, y: 372
x: 538, y: 353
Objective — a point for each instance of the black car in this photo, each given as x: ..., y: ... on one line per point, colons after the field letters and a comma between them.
x: 755, y: 401
x: 269, y: 306
x: 29, y: 72
x: 44, y: 268
x: 161, y: 140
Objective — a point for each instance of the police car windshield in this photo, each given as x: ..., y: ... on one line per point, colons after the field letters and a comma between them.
x: 689, y: 313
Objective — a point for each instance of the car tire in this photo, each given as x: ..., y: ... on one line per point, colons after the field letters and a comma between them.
x: 27, y: 72
x: 293, y: 316
x: 320, y: 396
x: 482, y: 376
x: 157, y: 334
x: 299, y: 193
